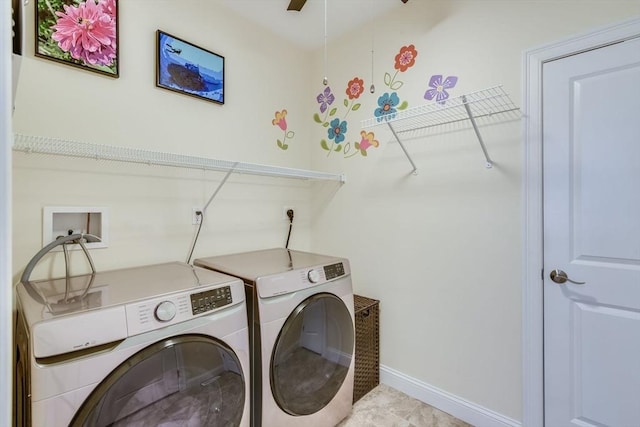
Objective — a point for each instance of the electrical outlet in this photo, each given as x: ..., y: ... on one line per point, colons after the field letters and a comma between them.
x: 284, y: 211
x: 195, y: 218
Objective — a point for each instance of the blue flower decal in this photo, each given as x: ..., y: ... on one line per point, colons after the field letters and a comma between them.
x: 387, y: 104
x: 337, y: 130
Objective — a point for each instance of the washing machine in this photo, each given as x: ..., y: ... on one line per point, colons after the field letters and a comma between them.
x: 159, y: 345
x: 301, y: 328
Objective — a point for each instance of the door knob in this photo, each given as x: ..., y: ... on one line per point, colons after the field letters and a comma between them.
x: 560, y: 276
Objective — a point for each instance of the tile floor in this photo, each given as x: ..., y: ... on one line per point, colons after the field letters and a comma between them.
x: 387, y: 407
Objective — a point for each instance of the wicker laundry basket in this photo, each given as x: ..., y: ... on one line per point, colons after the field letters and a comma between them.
x: 367, y: 352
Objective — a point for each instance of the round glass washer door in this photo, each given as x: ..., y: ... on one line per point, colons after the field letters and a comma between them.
x: 184, y: 380
x: 312, y: 354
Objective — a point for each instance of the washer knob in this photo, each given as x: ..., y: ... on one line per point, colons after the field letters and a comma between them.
x: 165, y: 311
x: 313, y: 276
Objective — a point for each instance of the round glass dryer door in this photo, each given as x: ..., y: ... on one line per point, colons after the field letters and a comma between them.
x: 312, y: 355
x: 184, y: 380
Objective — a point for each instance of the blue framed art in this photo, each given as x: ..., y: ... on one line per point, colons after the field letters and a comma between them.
x: 188, y: 69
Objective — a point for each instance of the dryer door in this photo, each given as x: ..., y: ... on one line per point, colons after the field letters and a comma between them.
x: 312, y: 355
x: 184, y: 380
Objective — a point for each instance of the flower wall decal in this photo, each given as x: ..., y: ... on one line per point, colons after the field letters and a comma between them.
x: 355, y: 88
x: 337, y: 128
x: 406, y: 58
x: 367, y: 140
x: 389, y: 102
x: 281, y: 121
x: 325, y: 99
x: 439, y: 88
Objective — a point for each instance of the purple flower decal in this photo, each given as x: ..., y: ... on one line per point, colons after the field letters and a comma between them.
x: 386, y: 105
x: 336, y: 130
x: 439, y: 88
x: 325, y: 99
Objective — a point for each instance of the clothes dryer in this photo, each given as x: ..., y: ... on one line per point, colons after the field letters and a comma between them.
x: 301, y: 320
x: 165, y: 344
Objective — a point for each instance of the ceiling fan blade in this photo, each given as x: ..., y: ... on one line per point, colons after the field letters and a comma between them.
x: 296, y: 5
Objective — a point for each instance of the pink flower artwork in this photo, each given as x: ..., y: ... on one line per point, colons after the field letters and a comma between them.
x: 88, y: 32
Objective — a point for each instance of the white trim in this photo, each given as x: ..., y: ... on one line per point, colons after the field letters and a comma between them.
x: 6, y: 292
x: 532, y: 297
x: 460, y: 408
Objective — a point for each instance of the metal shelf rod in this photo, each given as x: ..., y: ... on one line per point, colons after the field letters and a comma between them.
x: 489, y: 163
x: 406, y: 153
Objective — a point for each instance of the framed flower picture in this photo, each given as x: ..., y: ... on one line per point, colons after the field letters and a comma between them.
x: 16, y: 26
x: 82, y: 33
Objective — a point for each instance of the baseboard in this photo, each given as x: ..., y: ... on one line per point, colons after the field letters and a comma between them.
x: 462, y: 409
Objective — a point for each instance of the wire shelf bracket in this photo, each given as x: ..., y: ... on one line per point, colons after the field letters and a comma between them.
x: 470, y: 107
x: 60, y: 147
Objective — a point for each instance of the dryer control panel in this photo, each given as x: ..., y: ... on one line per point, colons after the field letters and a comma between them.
x: 304, y: 278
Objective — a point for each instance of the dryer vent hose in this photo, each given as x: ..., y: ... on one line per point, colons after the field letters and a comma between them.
x: 63, y: 240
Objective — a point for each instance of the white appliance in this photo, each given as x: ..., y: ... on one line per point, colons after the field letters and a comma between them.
x: 165, y: 344
x: 301, y: 320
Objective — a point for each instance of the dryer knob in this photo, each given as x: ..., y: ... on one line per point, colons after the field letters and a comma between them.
x: 313, y: 276
x: 165, y: 311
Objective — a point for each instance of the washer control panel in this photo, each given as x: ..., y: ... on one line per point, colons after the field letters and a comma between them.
x: 155, y: 313
x: 165, y: 311
x: 211, y: 299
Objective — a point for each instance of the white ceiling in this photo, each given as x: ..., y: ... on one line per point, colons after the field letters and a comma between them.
x: 306, y: 28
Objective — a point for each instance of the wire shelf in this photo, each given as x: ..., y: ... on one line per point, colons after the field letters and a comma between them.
x: 482, y: 104
x: 60, y: 147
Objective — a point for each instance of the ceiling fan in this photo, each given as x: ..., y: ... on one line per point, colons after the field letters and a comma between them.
x: 297, y: 4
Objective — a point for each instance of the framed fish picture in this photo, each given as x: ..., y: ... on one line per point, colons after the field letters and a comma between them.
x: 189, y: 69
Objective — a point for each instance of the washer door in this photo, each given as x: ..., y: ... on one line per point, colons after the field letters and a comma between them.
x: 184, y: 380
x: 312, y: 355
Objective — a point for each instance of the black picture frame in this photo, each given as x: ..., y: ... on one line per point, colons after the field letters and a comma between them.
x: 58, y: 23
x: 16, y: 17
x: 188, y: 69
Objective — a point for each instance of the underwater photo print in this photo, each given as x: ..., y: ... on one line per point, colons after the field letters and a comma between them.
x: 188, y: 69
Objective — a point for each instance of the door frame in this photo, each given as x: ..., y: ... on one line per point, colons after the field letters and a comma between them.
x: 6, y: 285
x: 532, y: 280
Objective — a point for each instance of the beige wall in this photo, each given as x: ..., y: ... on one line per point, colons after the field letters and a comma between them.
x: 441, y: 250
x: 150, y: 207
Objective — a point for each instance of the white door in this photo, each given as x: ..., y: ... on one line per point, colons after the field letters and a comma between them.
x: 591, y: 187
